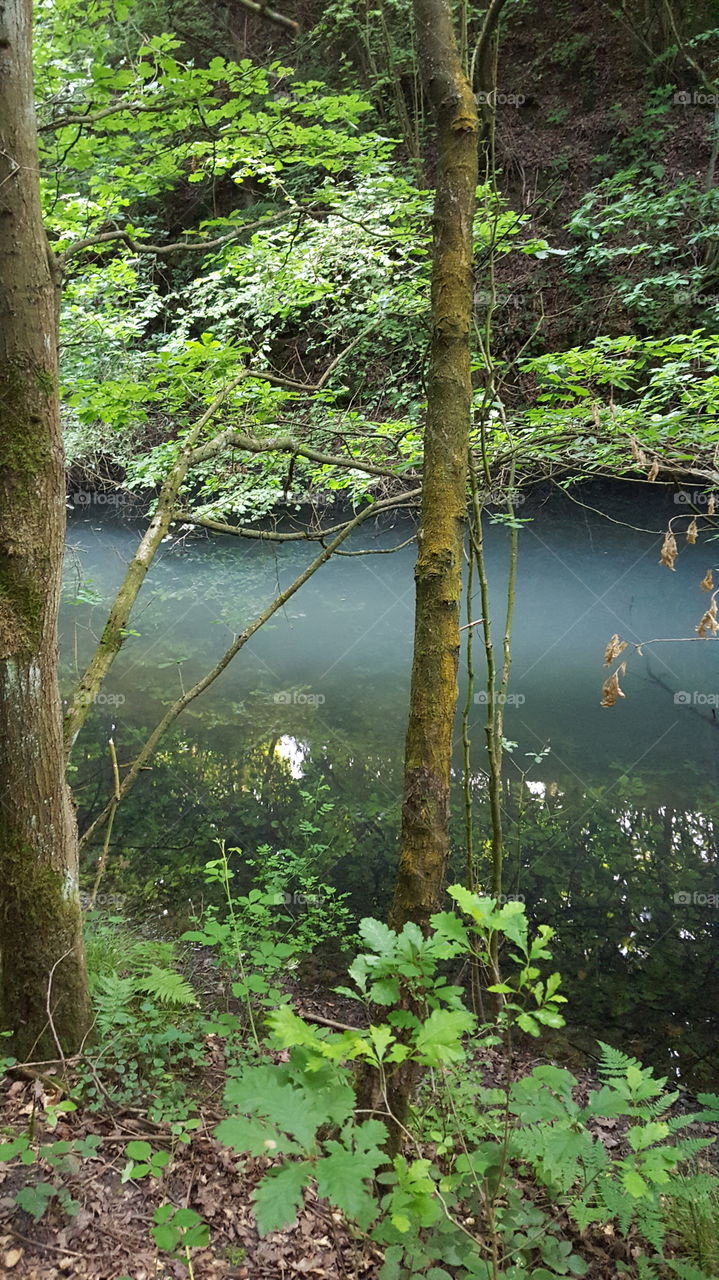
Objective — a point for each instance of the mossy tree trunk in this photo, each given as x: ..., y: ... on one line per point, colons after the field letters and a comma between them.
x: 41, y: 949
x: 433, y: 697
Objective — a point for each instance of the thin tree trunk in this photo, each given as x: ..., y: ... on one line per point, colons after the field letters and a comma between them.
x: 114, y: 630
x: 43, y: 987
x: 438, y: 575
x: 146, y: 753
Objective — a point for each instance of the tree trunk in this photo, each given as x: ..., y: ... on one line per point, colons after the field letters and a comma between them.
x: 438, y: 575
x: 43, y: 963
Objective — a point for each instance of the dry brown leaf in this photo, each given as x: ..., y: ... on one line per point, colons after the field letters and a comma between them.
x: 692, y: 531
x: 668, y: 552
x: 653, y: 471
x: 711, y: 505
x: 610, y: 689
x: 709, y: 624
x: 638, y: 453
x: 614, y: 648
x: 12, y: 1257
x: 707, y: 582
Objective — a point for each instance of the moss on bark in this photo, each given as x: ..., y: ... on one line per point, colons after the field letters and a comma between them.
x: 40, y: 921
x: 433, y: 696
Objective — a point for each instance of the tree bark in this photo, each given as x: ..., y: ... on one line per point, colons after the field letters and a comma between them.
x: 438, y: 574
x: 43, y: 986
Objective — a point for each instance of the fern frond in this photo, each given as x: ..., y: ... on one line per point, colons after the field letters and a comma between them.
x: 687, y: 1270
x: 614, y: 1065
x: 113, y: 997
x: 167, y: 986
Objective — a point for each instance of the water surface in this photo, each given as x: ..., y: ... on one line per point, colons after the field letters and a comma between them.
x: 299, y: 743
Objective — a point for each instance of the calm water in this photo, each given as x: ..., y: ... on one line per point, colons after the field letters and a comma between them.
x: 299, y: 743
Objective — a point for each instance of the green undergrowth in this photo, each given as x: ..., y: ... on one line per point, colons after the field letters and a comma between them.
x: 509, y: 1175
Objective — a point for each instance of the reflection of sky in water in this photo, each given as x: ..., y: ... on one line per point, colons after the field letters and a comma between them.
x: 294, y: 753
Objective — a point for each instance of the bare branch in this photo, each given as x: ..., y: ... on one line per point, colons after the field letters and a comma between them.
x: 102, y: 862
x: 380, y: 551
x: 114, y: 630
x: 260, y: 535
x: 481, y: 52
x: 134, y: 108
x: 285, y: 444
x: 48, y: 1005
x: 303, y: 535
x: 279, y: 19
x: 179, y: 246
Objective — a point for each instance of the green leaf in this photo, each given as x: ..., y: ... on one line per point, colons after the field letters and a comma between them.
x: 527, y: 1023
x: 34, y: 1200
x: 548, y: 1017
x: 256, y: 1137
x: 259, y: 1091
x: 381, y: 1038
x: 448, y: 926
x: 439, y: 1039
x: 378, y: 936
x: 165, y: 1237
x: 279, y: 1196
x: 138, y: 1150
x: 641, y: 1136
x: 167, y: 986
x: 634, y: 1183
x: 342, y: 1177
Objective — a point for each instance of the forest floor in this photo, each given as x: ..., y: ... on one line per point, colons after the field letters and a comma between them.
x: 109, y: 1235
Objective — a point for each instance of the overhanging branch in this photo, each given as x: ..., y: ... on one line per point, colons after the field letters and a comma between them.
x: 285, y: 444
x: 238, y: 643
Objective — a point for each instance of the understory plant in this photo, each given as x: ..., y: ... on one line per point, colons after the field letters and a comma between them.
x: 148, y: 1025
x: 261, y: 936
x: 503, y: 1181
